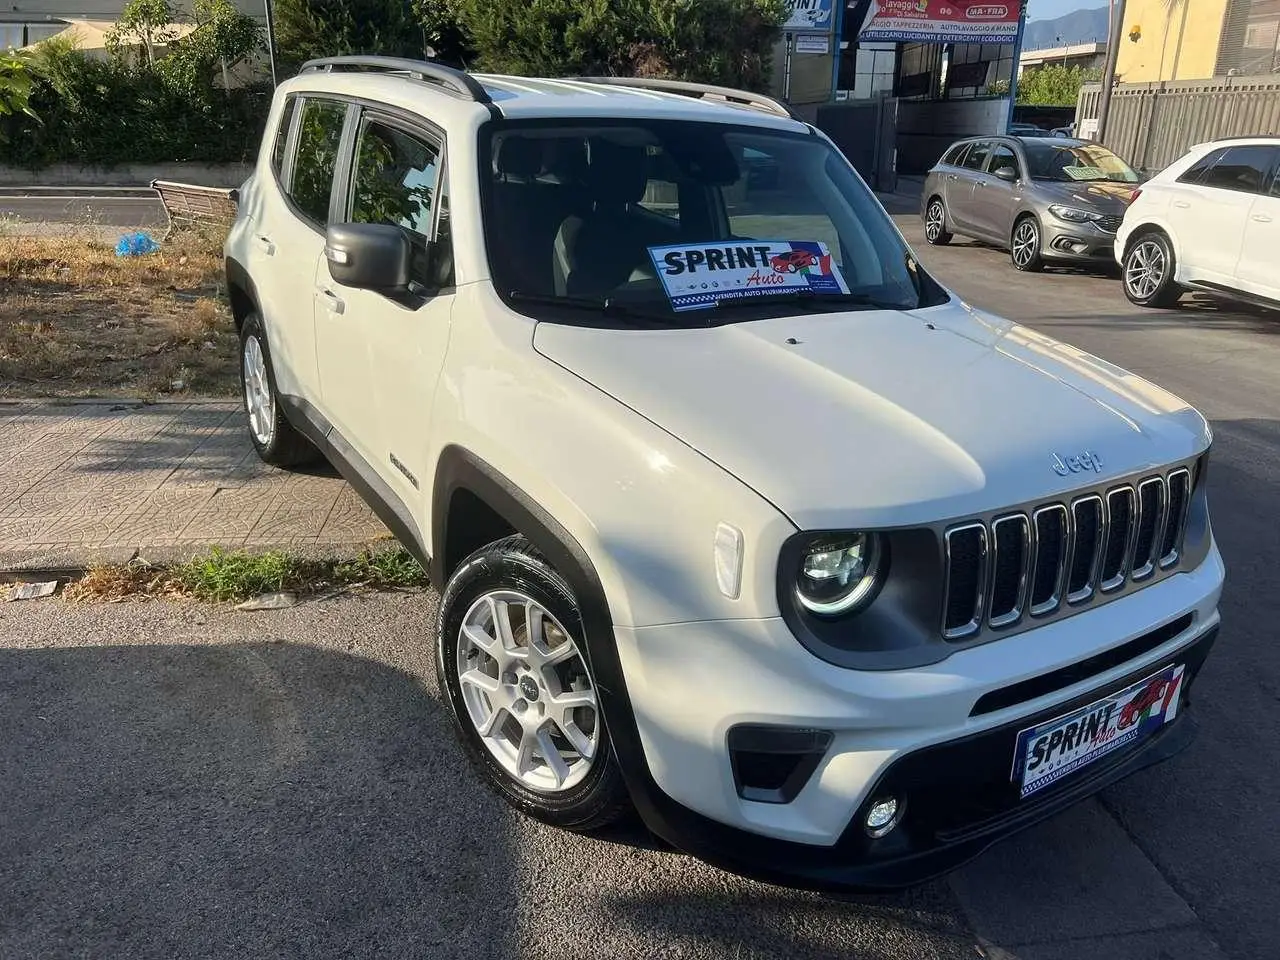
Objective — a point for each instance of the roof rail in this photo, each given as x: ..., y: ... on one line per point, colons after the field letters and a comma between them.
x: 699, y: 90
x: 455, y: 81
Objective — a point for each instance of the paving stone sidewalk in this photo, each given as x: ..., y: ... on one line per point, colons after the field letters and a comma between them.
x: 103, y: 482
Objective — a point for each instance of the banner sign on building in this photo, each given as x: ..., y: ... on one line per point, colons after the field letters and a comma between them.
x: 809, y: 15
x: 942, y: 21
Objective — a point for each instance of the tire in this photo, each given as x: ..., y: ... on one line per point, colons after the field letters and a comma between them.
x: 513, y: 697
x: 1148, y: 271
x: 1024, y: 245
x: 273, y: 436
x: 935, y: 223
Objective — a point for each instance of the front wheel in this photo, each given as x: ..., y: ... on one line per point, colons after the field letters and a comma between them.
x: 1024, y: 247
x: 512, y: 661
x: 935, y: 223
x: 1149, y: 272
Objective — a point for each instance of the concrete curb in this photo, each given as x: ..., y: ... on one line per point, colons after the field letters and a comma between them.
x: 133, y: 175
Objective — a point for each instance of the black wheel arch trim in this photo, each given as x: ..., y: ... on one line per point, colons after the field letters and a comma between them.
x: 238, y: 277
x: 357, y: 471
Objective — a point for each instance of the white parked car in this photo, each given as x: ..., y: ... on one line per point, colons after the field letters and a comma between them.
x: 1209, y: 221
x: 737, y: 515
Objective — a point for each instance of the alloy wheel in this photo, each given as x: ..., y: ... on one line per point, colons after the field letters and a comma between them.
x: 935, y: 218
x: 1026, y: 243
x: 257, y: 392
x: 1145, y: 270
x: 527, y: 691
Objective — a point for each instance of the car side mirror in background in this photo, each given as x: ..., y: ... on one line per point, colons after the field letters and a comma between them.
x: 1008, y: 174
x: 369, y: 256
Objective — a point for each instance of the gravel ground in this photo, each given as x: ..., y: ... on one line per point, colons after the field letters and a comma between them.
x: 180, y: 780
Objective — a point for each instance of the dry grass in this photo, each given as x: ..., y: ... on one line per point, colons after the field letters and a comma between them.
x: 76, y: 320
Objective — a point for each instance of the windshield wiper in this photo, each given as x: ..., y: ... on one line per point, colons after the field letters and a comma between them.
x: 832, y: 301
x: 605, y: 306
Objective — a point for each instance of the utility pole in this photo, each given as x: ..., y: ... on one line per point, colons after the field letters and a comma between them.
x: 1109, y: 71
x: 271, y: 42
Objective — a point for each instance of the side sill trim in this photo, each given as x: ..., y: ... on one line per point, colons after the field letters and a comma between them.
x: 389, y: 508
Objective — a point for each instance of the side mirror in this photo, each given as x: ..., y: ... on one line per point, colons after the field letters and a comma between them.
x: 1007, y: 174
x: 369, y: 256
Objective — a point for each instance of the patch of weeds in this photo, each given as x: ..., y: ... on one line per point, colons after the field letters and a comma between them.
x: 232, y: 576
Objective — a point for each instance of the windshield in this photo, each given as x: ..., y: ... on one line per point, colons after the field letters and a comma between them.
x: 673, y: 222
x: 1075, y: 162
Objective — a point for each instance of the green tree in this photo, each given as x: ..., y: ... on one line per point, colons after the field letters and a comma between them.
x: 1054, y: 85
x: 726, y: 42
x: 222, y: 38
x: 306, y: 29
x: 15, y: 90
x: 443, y: 35
x: 150, y: 21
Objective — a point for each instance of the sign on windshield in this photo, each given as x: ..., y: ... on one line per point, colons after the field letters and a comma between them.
x: 697, y: 276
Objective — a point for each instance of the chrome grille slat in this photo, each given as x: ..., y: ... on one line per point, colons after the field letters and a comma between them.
x: 965, y: 589
x: 1061, y: 554
x: 1050, y: 564
x: 1009, y: 568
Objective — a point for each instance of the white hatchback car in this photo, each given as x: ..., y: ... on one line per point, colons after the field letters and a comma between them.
x: 1209, y: 221
x: 738, y: 516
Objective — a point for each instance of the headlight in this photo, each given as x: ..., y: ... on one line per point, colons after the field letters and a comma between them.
x: 1072, y: 215
x: 839, y: 573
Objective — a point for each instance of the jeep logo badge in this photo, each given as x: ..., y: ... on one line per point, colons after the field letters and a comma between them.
x: 1077, y: 464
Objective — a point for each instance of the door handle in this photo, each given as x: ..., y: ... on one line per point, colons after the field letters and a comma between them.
x: 952, y: 176
x: 1261, y: 218
x: 1181, y: 204
x: 265, y: 243
x: 332, y: 301
x: 981, y: 183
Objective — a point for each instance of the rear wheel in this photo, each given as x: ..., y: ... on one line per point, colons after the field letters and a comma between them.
x: 1024, y: 246
x: 273, y: 436
x: 1149, y: 269
x: 935, y: 222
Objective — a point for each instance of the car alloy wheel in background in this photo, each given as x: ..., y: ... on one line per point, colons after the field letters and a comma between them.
x: 1149, y: 272
x: 1025, y: 246
x: 935, y: 223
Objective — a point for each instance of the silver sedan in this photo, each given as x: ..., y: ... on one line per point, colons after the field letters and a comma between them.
x: 1045, y: 200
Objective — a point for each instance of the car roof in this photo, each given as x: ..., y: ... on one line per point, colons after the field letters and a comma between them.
x: 452, y: 96
x: 1270, y: 141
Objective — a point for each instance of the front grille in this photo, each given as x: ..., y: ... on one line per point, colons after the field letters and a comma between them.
x: 1109, y: 224
x: 1061, y: 553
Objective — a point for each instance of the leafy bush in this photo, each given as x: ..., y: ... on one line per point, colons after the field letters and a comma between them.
x: 1054, y: 85
x: 726, y: 42
x: 306, y: 29
x: 107, y: 113
x: 15, y: 90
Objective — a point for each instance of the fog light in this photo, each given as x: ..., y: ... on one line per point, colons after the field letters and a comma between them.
x: 882, y: 817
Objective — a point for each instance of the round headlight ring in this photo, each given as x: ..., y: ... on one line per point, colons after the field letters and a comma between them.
x: 860, y: 590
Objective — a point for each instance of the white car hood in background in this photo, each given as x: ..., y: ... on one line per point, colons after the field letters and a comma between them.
x: 876, y: 419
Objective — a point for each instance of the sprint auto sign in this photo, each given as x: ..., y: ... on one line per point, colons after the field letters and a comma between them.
x: 697, y: 276
x: 809, y: 15
x: 942, y: 21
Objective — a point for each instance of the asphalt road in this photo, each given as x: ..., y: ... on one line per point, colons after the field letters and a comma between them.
x: 179, y: 781
x: 122, y: 209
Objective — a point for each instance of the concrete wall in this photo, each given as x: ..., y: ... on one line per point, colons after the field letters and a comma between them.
x: 1157, y: 55
x: 67, y: 175
x: 927, y: 128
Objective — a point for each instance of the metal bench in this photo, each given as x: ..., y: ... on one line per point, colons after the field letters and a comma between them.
x: 187, y: 204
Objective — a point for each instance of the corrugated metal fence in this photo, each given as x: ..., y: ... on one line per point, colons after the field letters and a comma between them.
x: 1152, y: 124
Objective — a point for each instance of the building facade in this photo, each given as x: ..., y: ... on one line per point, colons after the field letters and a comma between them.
x: 1198, y: 40
x: 24, y: 22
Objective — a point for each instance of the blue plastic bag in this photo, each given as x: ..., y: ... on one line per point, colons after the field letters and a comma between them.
x: 135, y: 245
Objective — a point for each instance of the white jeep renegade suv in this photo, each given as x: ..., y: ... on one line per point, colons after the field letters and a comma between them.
x: 738, y: 517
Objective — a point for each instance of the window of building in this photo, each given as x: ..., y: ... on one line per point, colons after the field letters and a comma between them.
x: 920, y: 67
x: 867, y: 69
x: 16, y: 35
x: 316, y: 158
x: 972, y: 68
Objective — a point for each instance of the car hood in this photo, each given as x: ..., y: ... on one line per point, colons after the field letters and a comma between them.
x: 1100, y: 196
x: 883, y: 418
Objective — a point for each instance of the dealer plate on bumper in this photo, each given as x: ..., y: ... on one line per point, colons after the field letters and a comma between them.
x: 1051, y: 750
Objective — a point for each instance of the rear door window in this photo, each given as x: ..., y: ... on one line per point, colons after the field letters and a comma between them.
x: 1245, y: 169
x: 316, y: 158
x: 977, y: 155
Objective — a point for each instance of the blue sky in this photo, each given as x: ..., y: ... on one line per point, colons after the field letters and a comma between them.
x: 1048, y: 9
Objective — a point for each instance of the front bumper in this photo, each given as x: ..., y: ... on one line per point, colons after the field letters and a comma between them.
x: 917, y: 733
x: 1076, y: 243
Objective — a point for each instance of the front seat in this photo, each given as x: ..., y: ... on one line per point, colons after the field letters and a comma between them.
x: 603, y: 248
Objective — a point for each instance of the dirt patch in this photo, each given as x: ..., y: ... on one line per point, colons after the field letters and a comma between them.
x: 76, y: 320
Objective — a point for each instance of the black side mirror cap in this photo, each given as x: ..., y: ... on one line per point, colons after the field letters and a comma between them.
x: 369, y: 256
